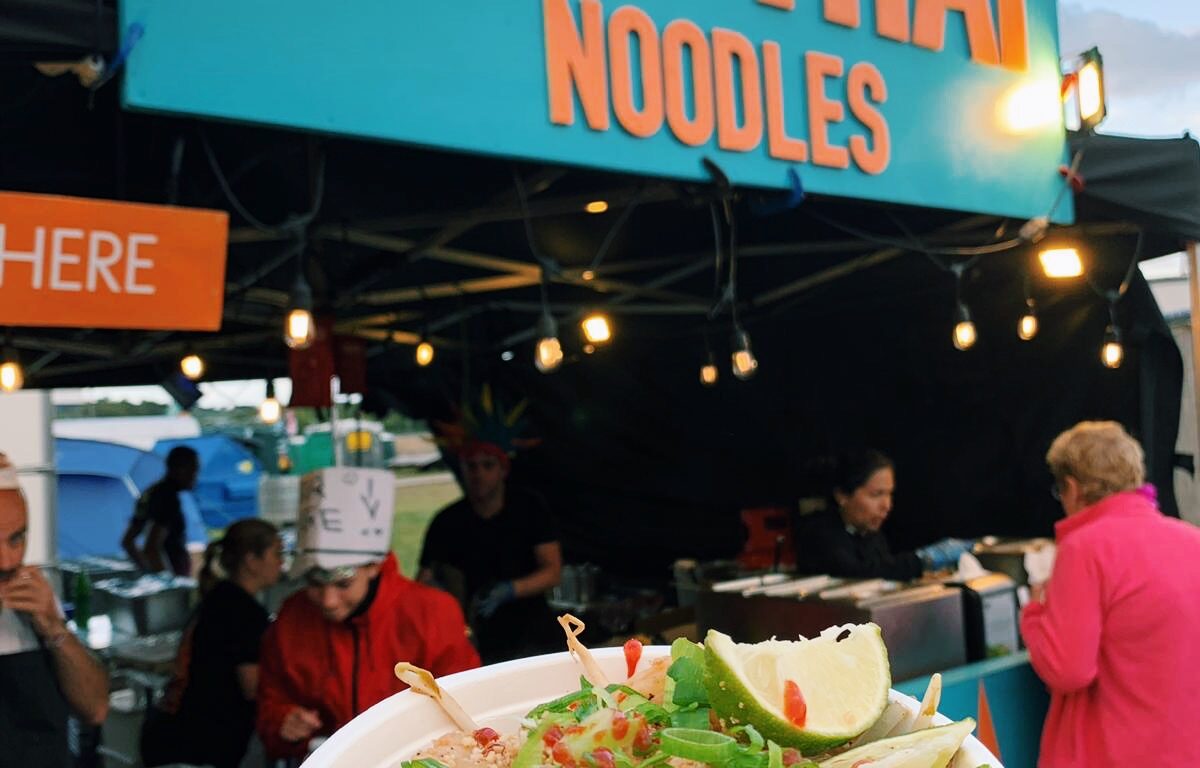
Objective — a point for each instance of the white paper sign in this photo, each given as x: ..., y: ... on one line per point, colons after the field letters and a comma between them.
x: 345, y: 516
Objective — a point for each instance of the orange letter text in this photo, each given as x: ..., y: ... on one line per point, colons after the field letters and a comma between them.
x: 930, y: 28
x: 572, y: 61
x: 727, y: 47
x: 822, y: 110
x: 866, y: 90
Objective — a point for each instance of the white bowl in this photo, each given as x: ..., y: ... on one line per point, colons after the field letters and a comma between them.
x: 498, y: 696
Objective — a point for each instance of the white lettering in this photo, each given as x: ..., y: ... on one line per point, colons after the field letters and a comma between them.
x: 99, y: 265
x: 133, y: 263
x: 36, y: 257
x: 59, y: 257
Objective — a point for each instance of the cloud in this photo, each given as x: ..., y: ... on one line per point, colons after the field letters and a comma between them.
x: 1141, y: 58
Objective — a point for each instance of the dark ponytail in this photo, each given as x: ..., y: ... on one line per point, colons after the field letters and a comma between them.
x: 251, y: 536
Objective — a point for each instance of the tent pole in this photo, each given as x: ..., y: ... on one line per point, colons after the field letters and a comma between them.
x: 1193, y: 252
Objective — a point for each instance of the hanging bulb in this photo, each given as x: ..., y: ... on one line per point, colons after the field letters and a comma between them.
x: 965, y: 335
x: 1027, y: 328
x: 269, y: 410
x: 12, y: 375
x: 596, y: 328
x: 548, y: 355
x: 425, y: 353
x: 192, y: 366
x: 299, y: 329
x: 1112, y: 354
x: 744, y: 362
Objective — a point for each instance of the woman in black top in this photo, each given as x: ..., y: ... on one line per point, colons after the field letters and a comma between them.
x: 206, y: 716
x: 845, y: 539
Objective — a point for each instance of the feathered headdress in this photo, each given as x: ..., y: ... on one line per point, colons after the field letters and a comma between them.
x: 485, y: 427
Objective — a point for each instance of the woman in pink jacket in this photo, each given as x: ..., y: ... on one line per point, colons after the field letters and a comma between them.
x: 1116, y: 634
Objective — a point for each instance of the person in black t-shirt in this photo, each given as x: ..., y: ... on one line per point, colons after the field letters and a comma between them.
x: 503, y: 547
x: 165, y: 547
x: 206, y: 715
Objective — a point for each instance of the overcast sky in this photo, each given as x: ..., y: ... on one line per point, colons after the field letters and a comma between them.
x: 1151, y: 54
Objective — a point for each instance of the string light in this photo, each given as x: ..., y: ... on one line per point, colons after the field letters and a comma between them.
x: 596, y: 206
x: 744, y: 363
x: 548, y: 355
x: 269, y: 410
x: 299, y: 329
x: 965, y: 334
x: 597, y: 328
x: 192, y: 366
x: 425, y: 353
x: 12, y: 375
x: 709, y: 373
x: 1112, y: 354
x: 1027, y: 326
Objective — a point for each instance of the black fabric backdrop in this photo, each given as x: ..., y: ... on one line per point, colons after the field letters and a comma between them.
x: 50, y: 30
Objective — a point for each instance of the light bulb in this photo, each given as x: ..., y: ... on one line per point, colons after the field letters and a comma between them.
x: 269, y: 410
x: 709, y: 374
x: 424, y: 354
x: 964, y: 335
x: 12, y: 376
x: 596, y: 206
x: 192, y: 366
x: 1061, y: 263
x: 744, y: 362
x: 1112, y: 354
x: 299, y: 330
x: 549, y: 354
x: 1028, y: 327
x: 1091, y: 93
x: 596, y: 328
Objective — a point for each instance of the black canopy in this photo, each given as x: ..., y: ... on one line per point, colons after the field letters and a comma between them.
x: 850, y: 319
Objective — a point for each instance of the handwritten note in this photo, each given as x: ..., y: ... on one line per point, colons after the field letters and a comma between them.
x: 346, y: 515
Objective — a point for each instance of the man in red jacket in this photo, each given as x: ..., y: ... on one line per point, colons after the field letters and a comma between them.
x: 329, y: 655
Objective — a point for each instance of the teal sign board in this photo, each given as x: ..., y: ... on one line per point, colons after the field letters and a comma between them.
x: 942, y: 103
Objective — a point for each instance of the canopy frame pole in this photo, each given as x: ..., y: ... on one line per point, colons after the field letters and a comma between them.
x: 1193, y: 264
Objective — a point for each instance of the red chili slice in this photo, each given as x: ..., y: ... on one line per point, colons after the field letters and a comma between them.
x: 552, y: 736
x: 486, y: 736
x: 791, y: 756
x: 794, y: 707
x: 633, y: 654
x: 562, y: 755
x: 604, y: 758
x: 620, y: 725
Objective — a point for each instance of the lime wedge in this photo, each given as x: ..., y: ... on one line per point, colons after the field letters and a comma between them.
x: 930, y: 748
x: 809, y: 694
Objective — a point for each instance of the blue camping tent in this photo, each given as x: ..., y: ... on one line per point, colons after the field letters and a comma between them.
x: 98, y: 485
x: 227, y: 489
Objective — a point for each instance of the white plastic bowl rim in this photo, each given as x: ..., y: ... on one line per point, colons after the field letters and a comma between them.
x: 498, y: 696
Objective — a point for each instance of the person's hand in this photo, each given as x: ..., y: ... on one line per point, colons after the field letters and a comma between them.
x: 28, y: 592
x: 299, y: 724
x: 495, y: 597
x: 943, y: 554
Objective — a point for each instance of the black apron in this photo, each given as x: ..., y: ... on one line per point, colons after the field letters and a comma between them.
x: 33, y: 712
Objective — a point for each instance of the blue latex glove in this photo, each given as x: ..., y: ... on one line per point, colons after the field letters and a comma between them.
x: 943, y: 554
x: 496, y: 597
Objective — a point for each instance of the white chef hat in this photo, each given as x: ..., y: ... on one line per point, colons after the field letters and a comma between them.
x: 345, y: 518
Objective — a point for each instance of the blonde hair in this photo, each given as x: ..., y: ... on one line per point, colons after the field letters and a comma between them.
x: 1101, y: 455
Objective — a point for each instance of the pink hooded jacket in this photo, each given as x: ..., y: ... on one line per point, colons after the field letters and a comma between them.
x: 1117, y: 640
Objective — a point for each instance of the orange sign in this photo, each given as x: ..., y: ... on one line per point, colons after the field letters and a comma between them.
x: 73, y: 262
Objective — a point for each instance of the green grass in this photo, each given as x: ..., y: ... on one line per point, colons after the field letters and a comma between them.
x: 415, y: 507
